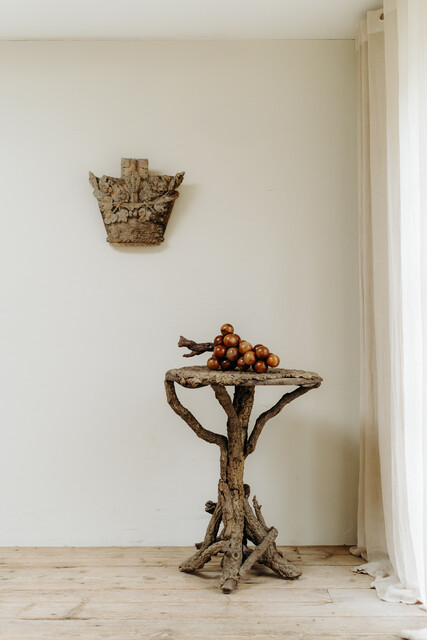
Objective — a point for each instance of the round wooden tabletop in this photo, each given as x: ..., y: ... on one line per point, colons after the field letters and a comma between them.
x: 194, y: 377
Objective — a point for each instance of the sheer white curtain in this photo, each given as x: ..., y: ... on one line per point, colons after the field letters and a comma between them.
x: 392, y: 534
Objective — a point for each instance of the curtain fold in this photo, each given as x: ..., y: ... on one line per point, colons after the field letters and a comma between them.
x: 392, y: 110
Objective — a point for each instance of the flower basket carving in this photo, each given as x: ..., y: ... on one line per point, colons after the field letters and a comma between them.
x: 137, y: 206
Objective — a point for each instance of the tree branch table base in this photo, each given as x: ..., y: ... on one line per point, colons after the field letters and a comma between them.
x: 241, y: 522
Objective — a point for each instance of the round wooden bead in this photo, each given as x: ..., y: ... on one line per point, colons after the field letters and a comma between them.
x: 233, y: 354
x: 227, y: 328
x: 261, y: 353
x: 241, y: 364
x: 260, y: 366
x: 245, y: 346
x: 249, y: 357
x: 219, y: 351
x: 213, y: 363
x: 218, y: 340
x: 226, y: 364
x: 231, y: 340
x: 273, y: 360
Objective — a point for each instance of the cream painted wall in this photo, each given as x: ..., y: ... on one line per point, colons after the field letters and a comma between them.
x: 264, y: 236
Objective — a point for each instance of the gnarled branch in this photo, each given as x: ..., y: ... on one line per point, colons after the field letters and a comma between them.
x: 193, y: 423
x: 199, y: 559
x: 258, y: 552
x: 271, y: 556
x: 271, y: 413
x: 258, y: 512
x: 243, y: 401
x: 196, y: 348
x: 224, y: 400
x: 211, y: 531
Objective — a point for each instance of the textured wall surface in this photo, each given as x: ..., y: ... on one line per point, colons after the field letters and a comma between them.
x: 263, y: 235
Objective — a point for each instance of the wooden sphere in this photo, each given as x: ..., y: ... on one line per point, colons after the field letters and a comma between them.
x: 260, y: 366
x: 249, y: 357
x: 256, y: 346
x: 219, y: 351
x: 227, y: 328
x: 245, y: 346
x: 241, y: 364
x: 213, y: 363
x: 233, y: 354
x: 225, y: 364
x: 273, y: 360
x: 231, y: 340
x: 218, y: 340
x: 261, y: 353
x: 238, y: 338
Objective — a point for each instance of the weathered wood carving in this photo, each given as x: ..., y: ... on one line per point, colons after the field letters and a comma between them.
x: 137, y: 206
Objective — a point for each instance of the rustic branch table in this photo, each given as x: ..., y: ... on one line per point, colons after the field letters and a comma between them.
x: 241, y: 523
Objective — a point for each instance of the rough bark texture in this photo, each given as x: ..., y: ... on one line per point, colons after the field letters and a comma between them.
x: 194, y: 377
x: 232, y: 510
x: 196, y: 348
x: 137, y: 206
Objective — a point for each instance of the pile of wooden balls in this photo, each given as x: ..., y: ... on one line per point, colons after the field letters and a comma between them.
x: 231, y: 352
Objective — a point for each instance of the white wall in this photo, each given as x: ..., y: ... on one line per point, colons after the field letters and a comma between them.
x: 263, y: 235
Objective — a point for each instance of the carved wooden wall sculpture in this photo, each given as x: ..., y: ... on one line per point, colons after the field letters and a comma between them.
x: 136, y: 207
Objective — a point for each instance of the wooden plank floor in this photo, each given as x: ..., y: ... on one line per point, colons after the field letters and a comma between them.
x: 137, y: 593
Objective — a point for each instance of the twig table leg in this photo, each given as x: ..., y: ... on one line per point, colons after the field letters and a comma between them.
x: 240, y: 522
